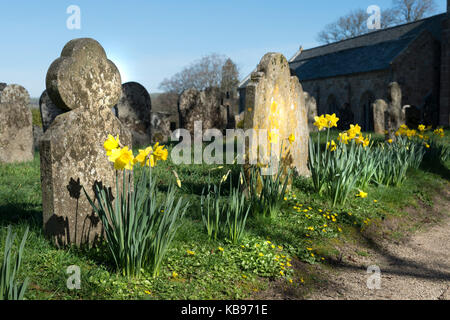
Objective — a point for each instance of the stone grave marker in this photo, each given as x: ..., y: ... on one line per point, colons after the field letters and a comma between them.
x: 87, y: 85
x: 275, y: 101
x: 134, y: 110
x: 16, y: 125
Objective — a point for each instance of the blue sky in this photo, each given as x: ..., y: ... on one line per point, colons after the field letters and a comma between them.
x: 151, y: 40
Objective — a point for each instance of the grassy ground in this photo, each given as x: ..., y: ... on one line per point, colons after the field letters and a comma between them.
x: 272, y: 251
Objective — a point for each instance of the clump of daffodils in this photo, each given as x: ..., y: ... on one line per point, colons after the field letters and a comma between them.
x: 123, y: 158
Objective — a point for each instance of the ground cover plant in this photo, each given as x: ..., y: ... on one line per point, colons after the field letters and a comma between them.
x: 250, y: 250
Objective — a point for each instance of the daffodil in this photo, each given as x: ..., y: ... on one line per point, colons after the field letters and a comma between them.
x: 421, y: 128
x: 332, y: 120
x: 331, y: 146
x: 321, y: 123
x: 110, y: 144
x: 122, y: 158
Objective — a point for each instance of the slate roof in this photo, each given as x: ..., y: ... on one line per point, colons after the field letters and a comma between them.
x: 369, y: 52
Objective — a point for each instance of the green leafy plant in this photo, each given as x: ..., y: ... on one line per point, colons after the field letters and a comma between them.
x: 237, y: 214
x: 139, y: 226
x: 267, y: 192
x: 10, y: 289
x: 224, y: 218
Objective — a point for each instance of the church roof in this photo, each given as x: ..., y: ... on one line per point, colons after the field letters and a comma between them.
x: 369, y: 52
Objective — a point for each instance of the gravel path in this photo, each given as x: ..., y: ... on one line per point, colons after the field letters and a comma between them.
x: 418, y: 268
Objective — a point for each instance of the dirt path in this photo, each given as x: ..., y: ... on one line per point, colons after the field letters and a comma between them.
x: 418, y: 268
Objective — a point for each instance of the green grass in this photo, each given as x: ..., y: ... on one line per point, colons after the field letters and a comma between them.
x: 239, y: 270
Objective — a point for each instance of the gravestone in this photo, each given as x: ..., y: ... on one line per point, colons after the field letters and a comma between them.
x: 2, y: 86
x: 272, y: 85
x: 134, y: 110
x: 86, y: 84
x: 395, y: 115
x: 160, y: 122
x: 379, y: 116
x: 204, y: 106
x: 311, y: 106
x: 49, y: 111
x: 16, y: 125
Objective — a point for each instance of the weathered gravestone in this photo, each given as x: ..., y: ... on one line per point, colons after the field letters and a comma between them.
x: 160, y: 122
x: 87, y: 84
x: 134, y: 110
x: 49, y: 111
x: 395, y: 115
x: 311, y: 106
x: 275, y: 101
x: 379, y: 116
x: 204, y: 106
x: 16, y: 125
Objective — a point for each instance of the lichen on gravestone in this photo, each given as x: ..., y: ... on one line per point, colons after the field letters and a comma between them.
x: 275, y: 101
x: 86, y: 85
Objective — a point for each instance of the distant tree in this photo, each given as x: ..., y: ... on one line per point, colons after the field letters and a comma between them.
x: 204, y: 73
x: 230, y: 77
x: 355, y: 23
x: 413, y: 10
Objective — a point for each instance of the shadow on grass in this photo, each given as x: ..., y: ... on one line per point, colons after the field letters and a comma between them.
x: 435, y: 166
x: 17, y: 213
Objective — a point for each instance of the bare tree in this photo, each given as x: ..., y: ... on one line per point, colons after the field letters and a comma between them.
x: 355, y: 23
x: 204, y: 73
x: 413, y: 10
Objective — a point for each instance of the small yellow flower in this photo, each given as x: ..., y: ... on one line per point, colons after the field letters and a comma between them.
x: 191, y: 253
x: 244, y: 276
x: 174, y: 274
x: 147, y: 292
x: 261, y: 254
x: 362, y: 194
x: 220, y: 249
x: 282, y: 273
x: 421, y: 128
x: 390, y: 141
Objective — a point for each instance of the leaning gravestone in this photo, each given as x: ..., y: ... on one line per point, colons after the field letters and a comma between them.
x: 16, y: 125
x: 395, y: 115
x: 275, y: 101
x: 311, y: 106
x: 134, y: 110
x: 204, y: 106
x: 49, y: 111
x: 86, y: 84
x: 379, y: 116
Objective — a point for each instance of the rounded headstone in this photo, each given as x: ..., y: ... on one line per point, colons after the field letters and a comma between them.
x: 49, y: 111
x: 134, y: 110
x: 15, y: 93
x: 16, y: 131
x: 83, y: 77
